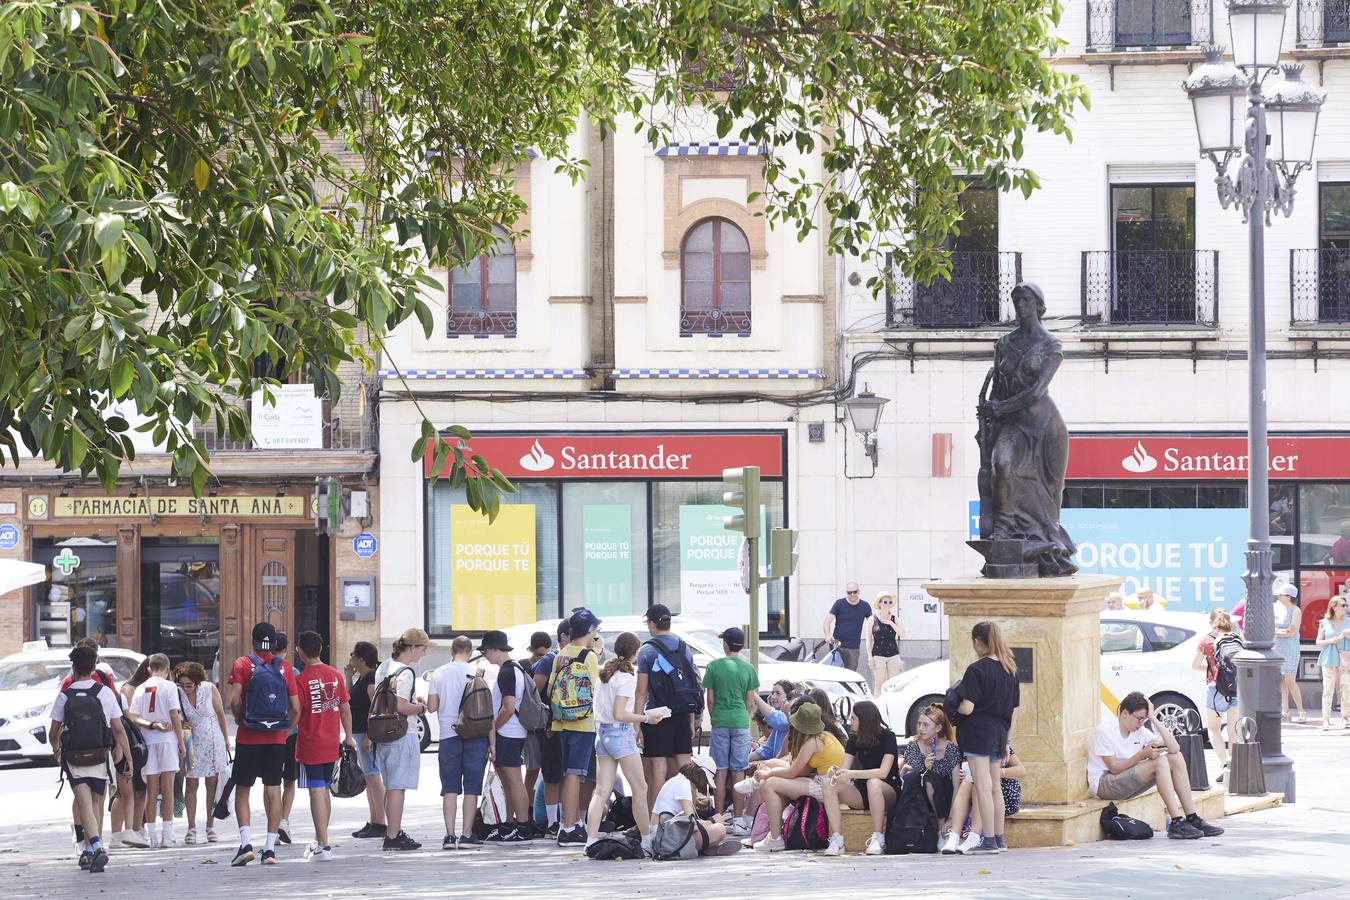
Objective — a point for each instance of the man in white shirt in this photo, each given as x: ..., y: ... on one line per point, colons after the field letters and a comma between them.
x: 155, y: 709
x: 1128, y: 758
x: 462, y: 761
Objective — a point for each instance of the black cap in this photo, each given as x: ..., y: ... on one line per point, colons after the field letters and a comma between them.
x: 658, y: 612
x: 282, y: 641
x: 264, y: 636
x: 734, y: 637
x: 494, y: 640
x: 583, y: 621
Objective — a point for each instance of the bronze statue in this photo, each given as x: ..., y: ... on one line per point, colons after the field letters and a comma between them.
x: 1024, y: 452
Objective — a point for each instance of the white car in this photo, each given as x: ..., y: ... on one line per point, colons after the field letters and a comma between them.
x: 845, y: 687
x: 1150, y: 651
x: 28, y: 683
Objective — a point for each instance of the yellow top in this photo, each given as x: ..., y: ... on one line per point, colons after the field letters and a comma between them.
x: 832, y: 754
x: 592, y: 667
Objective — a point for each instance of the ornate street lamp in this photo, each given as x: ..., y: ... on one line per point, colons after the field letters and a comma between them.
x: 864, y: 412
x: 1272, y: 139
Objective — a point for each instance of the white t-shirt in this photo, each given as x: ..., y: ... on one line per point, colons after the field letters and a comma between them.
x: 107, y: 698
x: 621, y: 684
x: 153, y: 701
x: 672, y: 793
x: 448, y: 683
x: 1106, y: 741
x: 512, y: 728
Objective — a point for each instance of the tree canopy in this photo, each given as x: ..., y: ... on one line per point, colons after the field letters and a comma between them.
x: 178, y: 225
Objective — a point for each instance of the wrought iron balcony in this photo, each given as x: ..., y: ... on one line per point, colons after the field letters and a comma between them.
x: 1150, y: 287
x: 1319, y: 286
x: 1149, y: 24
x: 979, y: 294
x: 1323, y: 22
x: 476, y: 322
x: 348, y: 424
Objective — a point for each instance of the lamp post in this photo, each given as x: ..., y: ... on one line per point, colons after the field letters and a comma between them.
x: 1271, y: 141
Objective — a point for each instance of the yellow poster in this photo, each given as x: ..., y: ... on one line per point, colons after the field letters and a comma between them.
x: 492, y: 576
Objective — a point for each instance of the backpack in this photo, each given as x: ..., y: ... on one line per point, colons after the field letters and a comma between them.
x: 910, y: 829
x: 491, y: 807
x: 1226, y: 649
x: 672, y: 837
x: 266, y: 705
x: 140, y: 752
x: 615, y: 846
x: 475, y: 710
x: 571, y: 693
x: 1119, y: 827
x: 619, y: 817
x: 348, y: 779
x: 804, y: 825
x: 531, y: 710
x: 86, y: 737
x: 385, y: 725
x: 678, y: 689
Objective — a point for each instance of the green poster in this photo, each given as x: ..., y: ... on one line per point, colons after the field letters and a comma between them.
x: 607, y: 558
x: 710, y: 580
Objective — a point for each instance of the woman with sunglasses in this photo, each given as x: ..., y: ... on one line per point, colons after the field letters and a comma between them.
x: 1333, y: 637
x: 882, y: 640
x: 205, y: 715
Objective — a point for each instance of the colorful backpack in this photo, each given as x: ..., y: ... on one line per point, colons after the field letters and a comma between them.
x: 804, y: 825
x: 571, y: 694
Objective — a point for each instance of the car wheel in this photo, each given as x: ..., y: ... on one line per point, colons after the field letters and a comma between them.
x: 423, y: 733
x: 1173, y: 711
x: 912, y: 720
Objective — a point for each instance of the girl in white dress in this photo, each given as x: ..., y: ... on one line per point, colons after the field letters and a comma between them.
x: 204, y: 715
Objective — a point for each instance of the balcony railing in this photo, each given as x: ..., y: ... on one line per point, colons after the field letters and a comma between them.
x: 1148, y: 24
x: 715, y: 321
x: 979, y: 294
x: 1150, y: 287
x: 475, y: 322
x: 1322, y: 22
x: 348, y: 424
x: 1319, y: 286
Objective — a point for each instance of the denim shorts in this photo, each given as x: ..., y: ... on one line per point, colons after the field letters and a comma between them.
x: 316, y: 775
x: 578, y: 753
x: 730, y: 748
x: 462, y: 763
x: 1218, y: 702
x: 510, y: 752
x: 616, y: 741
x: 369, y: 765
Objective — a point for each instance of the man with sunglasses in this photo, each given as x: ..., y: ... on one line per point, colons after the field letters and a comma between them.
x: 1133, y: 752
x: 844, y: 624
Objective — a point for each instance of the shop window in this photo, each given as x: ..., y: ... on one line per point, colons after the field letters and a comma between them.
x: 1316, y: 587
x: 605, y: 546
x: 80, y: 598
x: 483, y: 293
x: 694, y: 558
x: 485, y: 575
x: 1324, y: 524
x: 715, y: 279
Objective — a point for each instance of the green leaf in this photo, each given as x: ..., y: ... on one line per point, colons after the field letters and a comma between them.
x: 108, y: 229
x: 79, y: 446
x: 122, y: 373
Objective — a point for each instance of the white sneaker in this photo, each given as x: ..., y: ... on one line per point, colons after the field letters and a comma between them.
x: 771, y: 844
x: 836, y: 846
x: 191, y: 836
x: 737, y: 828
x: 135, y: 839
x: 953, y: 841
x: 745, y: 787
x: 325, y: 854
x: 972, y: 841
x: 312, y: 850
x: 115, y: 842
x: 876, y: 844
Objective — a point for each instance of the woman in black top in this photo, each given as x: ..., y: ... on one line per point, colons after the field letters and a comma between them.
x: 989, y: 694
x: 867, y: 780
x: 360, y: 672
x: 882, y: 640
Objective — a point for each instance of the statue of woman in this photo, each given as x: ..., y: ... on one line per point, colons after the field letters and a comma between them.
x: 1024, y: 445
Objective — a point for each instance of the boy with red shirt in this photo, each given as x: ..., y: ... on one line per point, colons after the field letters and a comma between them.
x: 260, y: 742
x: 323, y: 705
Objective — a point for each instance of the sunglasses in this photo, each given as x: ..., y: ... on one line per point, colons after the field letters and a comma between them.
x: 850, y: 592
x: 887, y: 603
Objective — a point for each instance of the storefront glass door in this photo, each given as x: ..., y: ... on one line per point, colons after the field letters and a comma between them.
x: 80, y: 599
x: 180, y: 601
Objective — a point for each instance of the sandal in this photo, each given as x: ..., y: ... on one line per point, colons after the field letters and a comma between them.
x: 1302, y: 718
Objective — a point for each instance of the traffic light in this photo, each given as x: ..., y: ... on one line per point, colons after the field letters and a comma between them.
x: 782, y: 552
x: 742, y: 493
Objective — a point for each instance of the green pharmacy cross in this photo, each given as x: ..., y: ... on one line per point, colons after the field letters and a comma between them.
x: 66, y: 561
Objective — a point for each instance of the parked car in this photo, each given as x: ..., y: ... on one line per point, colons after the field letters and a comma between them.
x: 1150, y: 651
x: 28, y: 683
x: 845, y: 687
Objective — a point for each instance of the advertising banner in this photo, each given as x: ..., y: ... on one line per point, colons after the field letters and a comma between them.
x: 607, y: 558
x: 292, y: 420
x: 1155, y: 457
x: 710, y: 579
x: 1191, y: 557
x: 492, y: 567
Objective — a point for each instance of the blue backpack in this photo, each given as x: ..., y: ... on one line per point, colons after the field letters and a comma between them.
x: 266, y: 706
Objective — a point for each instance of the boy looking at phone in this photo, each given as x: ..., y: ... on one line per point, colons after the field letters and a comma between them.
x: 1133, y: 752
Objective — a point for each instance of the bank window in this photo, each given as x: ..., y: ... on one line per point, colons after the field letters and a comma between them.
x: 483, y: 575
x: 695, y: 560
x: 605, y: 547
x: 1324, y: 524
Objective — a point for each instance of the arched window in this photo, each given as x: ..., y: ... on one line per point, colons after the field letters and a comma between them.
x: 483, y: 293
x: 715, y: 279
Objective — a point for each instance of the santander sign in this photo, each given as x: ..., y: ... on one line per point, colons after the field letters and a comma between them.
x: 1157, y: 457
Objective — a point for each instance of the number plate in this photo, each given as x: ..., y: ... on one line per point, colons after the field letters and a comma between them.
x: 201, y: 642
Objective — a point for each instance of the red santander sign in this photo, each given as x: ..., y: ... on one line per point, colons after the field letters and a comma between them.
x: 625, y: 455
x: 1158, y: 458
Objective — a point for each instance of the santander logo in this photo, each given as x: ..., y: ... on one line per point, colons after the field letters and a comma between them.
x: 1138, y: 462
x: 537, y: 460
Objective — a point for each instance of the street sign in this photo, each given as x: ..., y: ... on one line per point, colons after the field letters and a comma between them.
x: 9, y: 537
x: 364, y: 545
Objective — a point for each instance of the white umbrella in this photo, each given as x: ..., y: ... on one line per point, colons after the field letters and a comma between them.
x: 15, y: 574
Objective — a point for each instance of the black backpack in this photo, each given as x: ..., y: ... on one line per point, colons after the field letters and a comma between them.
x: 678, y: 689
x: 140, y: 753
x: 615, y: 846
x: 620, y: 815
x: 1226, y: 649
x: 911, y: 829
x: 1119, y: 827
x: 86, y: 736
x: 804, y: 825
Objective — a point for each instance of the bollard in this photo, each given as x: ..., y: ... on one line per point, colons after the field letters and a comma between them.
x: 1192, y: 743
x: 1246, y: 777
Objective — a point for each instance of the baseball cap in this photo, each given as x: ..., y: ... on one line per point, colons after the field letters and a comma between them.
x: 1288, y: 590
x: 583, y: 621
x: 734, y: 637
x: 494, y: 640
x: 264, y: 636
x: 282, y: 642
x: 658, y: 613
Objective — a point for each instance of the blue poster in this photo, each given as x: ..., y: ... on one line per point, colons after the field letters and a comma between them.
x: 1192, y: 557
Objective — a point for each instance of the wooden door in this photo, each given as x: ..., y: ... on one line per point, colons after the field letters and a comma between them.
x: 273, y: 576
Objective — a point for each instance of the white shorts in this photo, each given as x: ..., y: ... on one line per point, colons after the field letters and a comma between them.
x: 162, y: 758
